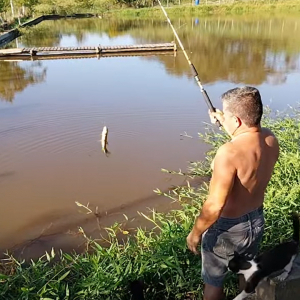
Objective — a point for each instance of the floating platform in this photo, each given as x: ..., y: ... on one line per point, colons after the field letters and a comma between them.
x: 68, y: 52
x: 78, y: 56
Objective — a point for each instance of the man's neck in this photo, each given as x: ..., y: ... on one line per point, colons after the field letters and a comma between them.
x: 244, y: 130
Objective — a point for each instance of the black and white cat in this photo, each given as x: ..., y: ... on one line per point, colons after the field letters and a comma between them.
x: 279, y: 258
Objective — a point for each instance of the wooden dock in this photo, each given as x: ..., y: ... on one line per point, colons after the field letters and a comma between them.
x: 44, y: 52
x: 79, y: 56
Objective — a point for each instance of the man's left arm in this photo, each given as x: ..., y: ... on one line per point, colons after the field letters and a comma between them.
x: 221, y: 184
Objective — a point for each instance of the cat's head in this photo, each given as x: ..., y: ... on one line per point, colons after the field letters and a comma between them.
x: 238, y: 262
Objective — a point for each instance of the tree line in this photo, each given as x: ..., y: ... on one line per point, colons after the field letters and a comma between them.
x: 10, y: 9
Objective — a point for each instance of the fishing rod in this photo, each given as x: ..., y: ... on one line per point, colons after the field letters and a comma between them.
x: 194, y: 71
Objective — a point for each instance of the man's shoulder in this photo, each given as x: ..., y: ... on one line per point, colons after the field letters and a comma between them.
x: 225, y: 157
x: 270, y: 138
x: 267, y: 132
x: 227, y: 150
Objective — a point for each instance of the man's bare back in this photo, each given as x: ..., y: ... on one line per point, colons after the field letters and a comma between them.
x: 254, y: 155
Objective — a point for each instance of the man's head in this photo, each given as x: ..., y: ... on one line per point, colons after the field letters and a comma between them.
x: 242, y: 107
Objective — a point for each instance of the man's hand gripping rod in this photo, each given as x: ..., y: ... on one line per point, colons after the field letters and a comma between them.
x: 195, y: 73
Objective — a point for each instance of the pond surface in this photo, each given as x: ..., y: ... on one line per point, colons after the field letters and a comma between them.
x: 52, y: 114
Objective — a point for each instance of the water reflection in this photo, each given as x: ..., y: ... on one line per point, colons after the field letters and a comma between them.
x: 15, y: 78
x: 237, y: 51
x: 248, y: 51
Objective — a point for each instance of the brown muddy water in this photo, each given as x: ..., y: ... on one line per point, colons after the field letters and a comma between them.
x: 52, y: 114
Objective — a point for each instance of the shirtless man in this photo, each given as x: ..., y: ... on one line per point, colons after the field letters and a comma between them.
x: 232, y: 216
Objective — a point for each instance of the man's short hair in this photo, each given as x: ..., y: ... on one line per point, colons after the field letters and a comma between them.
x: 245, y: 103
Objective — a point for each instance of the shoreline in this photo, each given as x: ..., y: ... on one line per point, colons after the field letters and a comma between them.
x: 265, y: 8
x: 234, y: 9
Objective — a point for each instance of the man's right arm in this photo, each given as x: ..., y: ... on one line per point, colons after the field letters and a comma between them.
x: 221, y: 184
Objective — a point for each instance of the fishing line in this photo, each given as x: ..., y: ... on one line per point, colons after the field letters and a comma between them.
x: 194, y: 71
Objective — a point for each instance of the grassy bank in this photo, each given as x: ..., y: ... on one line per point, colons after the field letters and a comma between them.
x: 235, y: 8
x: 161, y: 259
x: 115, y: 9
x: 13, y: 23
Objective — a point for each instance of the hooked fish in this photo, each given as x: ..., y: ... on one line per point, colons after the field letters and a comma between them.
x: 104, y: 142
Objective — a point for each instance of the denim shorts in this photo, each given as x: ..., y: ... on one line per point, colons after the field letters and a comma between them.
x: 219, y: 242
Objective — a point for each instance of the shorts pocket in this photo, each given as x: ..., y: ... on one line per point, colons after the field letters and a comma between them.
x: 209, y: 239
x: 230, y: 241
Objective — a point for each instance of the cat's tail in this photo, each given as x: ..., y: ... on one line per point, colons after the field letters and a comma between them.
x: 137, y: 287
x: 296, y: 226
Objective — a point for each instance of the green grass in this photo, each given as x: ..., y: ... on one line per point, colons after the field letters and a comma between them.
x: 236, y: 8
x: 109, y: 9
x: 159, y: 256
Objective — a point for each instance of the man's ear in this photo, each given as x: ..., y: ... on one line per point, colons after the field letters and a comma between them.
x: 238, y: 121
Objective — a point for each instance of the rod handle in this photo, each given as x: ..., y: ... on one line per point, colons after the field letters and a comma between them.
x: 206, y: 97
x: 210, y: 106
x: 194, y: 71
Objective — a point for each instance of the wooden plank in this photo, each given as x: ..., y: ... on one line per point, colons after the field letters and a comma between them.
x: 11, y: 51
x: 89, y: 49
x: 82, y: 55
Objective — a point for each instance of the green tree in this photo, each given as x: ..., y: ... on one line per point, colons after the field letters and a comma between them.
x: 84, y: 3
x: 28, y: 4
x: 3, y: 5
